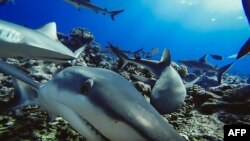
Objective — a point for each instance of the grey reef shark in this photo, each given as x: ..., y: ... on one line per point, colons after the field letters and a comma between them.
x: 203, y: 65
x: 87, y: 4
x: 98, y: 103
x: 2, y: 2
x: 245, y: 50
x: 168, y: 92
x: 42, y: 43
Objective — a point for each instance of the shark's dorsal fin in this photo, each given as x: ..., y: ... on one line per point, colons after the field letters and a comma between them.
x: 166, y: 57
x: 203, y: 58
x: 49, y: 30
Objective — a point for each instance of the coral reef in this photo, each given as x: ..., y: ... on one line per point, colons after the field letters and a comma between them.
x: 208, y: 105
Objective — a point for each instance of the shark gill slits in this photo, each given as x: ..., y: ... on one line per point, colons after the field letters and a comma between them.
x: 86, y: 86
x: 9, y: 35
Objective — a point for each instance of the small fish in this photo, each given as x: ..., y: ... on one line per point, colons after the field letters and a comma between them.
x: 216, y: 57
x: 149, y: 55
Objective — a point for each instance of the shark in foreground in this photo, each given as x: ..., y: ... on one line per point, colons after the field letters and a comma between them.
x: 202, y: 64
x: 169, y: 91
x: 19, y: 41
x: 98, y: 103
x: 87, y: 4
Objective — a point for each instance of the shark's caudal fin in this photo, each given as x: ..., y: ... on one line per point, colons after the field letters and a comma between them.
x: 77, y: 54
x: 123, y: 58
x: 114, y: 13
x: 222, y: 70
x: 203, y: 59
x: 244, y: 50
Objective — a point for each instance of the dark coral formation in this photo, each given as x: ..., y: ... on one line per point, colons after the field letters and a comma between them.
x: 77, y: 38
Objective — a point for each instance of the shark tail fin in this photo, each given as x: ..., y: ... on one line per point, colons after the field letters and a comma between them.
x: 244, y: 50
x: 77, y: 54
x: 123, y: 58
x: 222, y: 70
x: 114, y: 13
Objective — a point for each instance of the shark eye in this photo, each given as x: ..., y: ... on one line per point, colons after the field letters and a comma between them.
x: 86, y: 86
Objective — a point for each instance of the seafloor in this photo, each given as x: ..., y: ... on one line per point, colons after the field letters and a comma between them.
x: 208, y: 105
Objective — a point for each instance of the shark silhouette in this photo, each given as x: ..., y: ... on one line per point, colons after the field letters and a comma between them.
x: 87, y: 4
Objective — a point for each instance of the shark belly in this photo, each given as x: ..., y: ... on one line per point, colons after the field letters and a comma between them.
x: 29, y: 51
x: 169, y: 92
x: 111, y: 127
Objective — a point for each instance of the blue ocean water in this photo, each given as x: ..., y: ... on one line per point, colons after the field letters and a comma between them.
x: 189, y: 28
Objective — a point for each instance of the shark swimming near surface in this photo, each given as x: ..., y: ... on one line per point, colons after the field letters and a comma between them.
x: 100, y: 104
x: 19, y: 41
x: 169, y: 91
x: 202, y: 64
x: 87, y: 4
x: 2, y: 2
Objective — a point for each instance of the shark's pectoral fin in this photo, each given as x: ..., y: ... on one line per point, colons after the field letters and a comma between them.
x: 166, y: 57
x: 49, y: 30
x: 203, y: 58
x: 25, y: 93
x: 222, y: 70
x: 245, y: 49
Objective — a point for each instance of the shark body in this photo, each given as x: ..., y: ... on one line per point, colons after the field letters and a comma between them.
x: 246, y: 7
x: 2, y: 2
x: 19, y: 41
x: 245, y: 49
x: 202, y: 64
x: 169, y: 91
x: 98, y: 103
x: 87, y: 4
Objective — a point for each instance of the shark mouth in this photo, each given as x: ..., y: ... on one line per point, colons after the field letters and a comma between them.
x: 93, y: 129
x: 10, y: 35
